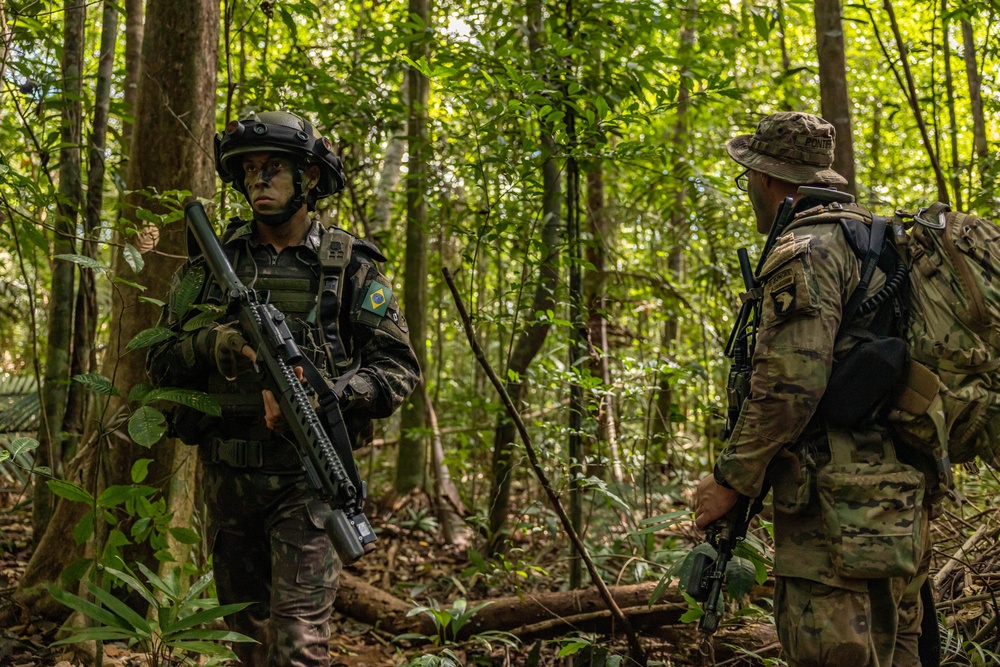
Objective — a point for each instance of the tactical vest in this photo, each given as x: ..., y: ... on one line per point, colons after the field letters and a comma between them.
x: 294, y: 281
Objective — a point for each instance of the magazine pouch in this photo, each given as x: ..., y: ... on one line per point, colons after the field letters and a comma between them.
x: 872, y: 509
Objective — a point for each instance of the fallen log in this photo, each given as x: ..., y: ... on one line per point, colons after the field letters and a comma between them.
x: 533, y: 615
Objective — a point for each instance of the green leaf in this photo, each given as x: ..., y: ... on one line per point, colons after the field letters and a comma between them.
x: 133, y: 258
x: 148, y: 337
x: 207, y: 615
x: 133, y: 583
x: 198, y: 400
x: 69, y: 491
x: 84, y: 528
x: 19, y: 446
x: 85, y: 262
x: 120, y: 609
x: 98, y: 384
x: 96, y: 634
x: 88, y: 609
x: 120, y: 493
x: 740, y: 576
x: 146, y: 426
x: 138, y: 392
x: 188, y: 290
x: 694, y: 611
x: 572, y: 648
x: 140, y: 469
x: 185, y: 535
x: 208, y: 315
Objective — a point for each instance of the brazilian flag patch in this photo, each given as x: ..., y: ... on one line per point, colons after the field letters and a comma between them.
x: 377, y: 299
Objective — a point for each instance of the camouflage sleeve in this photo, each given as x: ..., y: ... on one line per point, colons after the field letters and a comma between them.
x: 388, y: 370
x: 805, y: 282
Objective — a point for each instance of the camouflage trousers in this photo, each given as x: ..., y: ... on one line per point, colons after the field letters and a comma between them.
x: 820, y: 625
x: 269, y: 548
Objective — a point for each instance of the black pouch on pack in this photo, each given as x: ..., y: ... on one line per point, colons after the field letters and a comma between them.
x: 859, y: 383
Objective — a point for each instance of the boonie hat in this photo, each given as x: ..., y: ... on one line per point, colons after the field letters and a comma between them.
x: 792, y: 146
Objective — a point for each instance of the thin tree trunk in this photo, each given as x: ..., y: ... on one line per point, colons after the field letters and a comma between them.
x: 834, y: 95
x: 531, y: 339
x: 133, y: 66
x: 979, y: 142
x: 450, y: 508
x: 952, y: 122
x: 595, y: 287
x: 6, y: 35
x: 85, y: 321
x: 57, y: 353
x: 380, y: 223
x: 914, y: 100
x: 412, y: 459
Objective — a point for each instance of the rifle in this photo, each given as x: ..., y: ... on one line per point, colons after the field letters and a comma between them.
x: 320, y: 439
x: 708, y: 574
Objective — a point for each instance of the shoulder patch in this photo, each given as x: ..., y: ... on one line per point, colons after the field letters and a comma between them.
x: 377, y: 299
x: 786, y: 249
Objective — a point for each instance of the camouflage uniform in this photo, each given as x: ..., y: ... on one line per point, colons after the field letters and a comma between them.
x: 823, y: 618
x: 265, y: 520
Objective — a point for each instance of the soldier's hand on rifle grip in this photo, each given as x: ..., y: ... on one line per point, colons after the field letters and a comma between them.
x: 712, y: 501
x: 272, y: 409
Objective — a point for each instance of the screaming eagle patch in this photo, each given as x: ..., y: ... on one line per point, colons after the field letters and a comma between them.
x: 783, y: 300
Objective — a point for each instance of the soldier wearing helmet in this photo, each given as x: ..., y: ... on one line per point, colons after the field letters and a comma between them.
x: 265, y: 521
x: 849, y: 568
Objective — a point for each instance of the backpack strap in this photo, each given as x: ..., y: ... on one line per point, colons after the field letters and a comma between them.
x: 868, y: 265
x: 334, y: 257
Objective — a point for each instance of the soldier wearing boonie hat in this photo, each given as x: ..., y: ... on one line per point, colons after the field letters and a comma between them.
x: 825, y: 614
x: 792, y: 146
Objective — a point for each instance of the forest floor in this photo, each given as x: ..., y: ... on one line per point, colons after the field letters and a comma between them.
x: 418, y: 568
x: 411, y: 565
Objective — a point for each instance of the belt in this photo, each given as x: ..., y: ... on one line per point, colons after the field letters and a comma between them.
x: 233, y: 452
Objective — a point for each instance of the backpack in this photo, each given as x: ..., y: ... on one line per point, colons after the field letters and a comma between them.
x: 951, y: 401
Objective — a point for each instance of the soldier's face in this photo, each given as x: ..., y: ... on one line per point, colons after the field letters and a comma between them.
x: 763, y: 205
x: 269, y: 180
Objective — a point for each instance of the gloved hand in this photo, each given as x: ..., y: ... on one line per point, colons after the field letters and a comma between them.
x: 221, y: 346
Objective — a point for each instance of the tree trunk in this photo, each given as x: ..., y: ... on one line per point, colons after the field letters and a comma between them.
x: 176, y: 100
x: 57, y: 352
x: 594, y: 288
x: 412, y: 451
x: 133, y: 67
x: 6, y: 35
x: 85, y: 320
x: 952, y: 122
x: 834, y: 95
x: 380, y: 223
x: 979, y: 142
x: 531, y: 339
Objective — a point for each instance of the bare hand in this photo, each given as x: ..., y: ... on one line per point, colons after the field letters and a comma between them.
x: 712, y: 501
x: 273, y: 418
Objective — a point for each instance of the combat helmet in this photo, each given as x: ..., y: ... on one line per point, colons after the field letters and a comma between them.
x: 279, y: 132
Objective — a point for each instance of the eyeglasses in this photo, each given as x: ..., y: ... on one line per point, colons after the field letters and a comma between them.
x: 743, y: 180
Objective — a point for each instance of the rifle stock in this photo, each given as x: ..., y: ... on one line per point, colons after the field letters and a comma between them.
x: 317, y: 438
